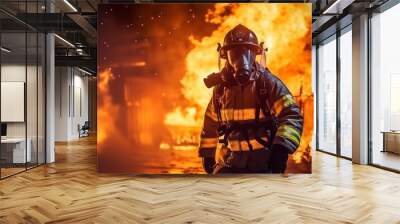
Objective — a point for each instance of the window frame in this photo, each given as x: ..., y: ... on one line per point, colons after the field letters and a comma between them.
x: 334, y: 37
x: 381, y: 9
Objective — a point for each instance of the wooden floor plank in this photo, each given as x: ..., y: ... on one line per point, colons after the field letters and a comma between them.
x: 71, y: 191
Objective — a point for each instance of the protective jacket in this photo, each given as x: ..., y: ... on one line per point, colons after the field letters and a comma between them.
x: 263, y: 100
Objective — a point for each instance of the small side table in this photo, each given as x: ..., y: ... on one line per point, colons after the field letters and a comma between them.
x: 391, y: 141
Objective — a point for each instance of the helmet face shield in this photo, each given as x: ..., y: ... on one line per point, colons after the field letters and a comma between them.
x: 241, y: 59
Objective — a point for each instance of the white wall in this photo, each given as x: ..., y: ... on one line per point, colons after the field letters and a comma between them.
x: 80, y: 110
x: 71, y: 102
x: 61, y: 103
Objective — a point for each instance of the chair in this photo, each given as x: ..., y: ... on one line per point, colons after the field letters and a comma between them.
x: 84, y: 130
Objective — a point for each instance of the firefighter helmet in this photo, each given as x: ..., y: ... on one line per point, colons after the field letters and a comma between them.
x: 240, y: 36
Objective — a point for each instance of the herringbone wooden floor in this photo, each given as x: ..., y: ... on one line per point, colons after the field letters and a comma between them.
x: 71, y: 191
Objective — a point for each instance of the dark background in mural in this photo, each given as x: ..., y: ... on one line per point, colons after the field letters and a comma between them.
x: 152, y: 34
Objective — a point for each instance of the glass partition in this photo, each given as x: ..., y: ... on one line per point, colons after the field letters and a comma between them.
x: 41, y: 87
x: 22, y: 88
x: 13, y: 103
x: 31, y: 99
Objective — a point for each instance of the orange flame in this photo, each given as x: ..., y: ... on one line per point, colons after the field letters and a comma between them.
x: 105, y: 107
x: 284, y: 28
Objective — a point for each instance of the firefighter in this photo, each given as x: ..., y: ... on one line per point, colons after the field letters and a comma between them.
x: 252, y: 122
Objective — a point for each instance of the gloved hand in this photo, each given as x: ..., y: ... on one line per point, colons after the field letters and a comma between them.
x: 279, y: 157
x: 208, y: 164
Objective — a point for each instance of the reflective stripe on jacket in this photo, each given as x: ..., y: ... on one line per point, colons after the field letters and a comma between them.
x: 238, y: 104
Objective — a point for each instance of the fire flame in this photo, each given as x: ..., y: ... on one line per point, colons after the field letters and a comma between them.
x: 285, y: 30
x: 183, y: 117
x: 105, y: 107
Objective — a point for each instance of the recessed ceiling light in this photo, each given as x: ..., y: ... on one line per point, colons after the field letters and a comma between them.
x: 337, y: 7
x: 5, y: 50
x: 70, y: 5
x: 84, y: 71
x: 64, y: 40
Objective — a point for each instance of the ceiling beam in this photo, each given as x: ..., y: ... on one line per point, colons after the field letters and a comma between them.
x: 81, y: 61
x: 337, y: 7
x: 85, y: 25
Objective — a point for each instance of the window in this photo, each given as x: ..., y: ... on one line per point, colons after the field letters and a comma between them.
x: 327, y: 96
x: 385, y: 89
x: 346, y: 92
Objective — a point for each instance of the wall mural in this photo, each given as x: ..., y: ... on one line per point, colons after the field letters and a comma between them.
x: 204, y: 88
